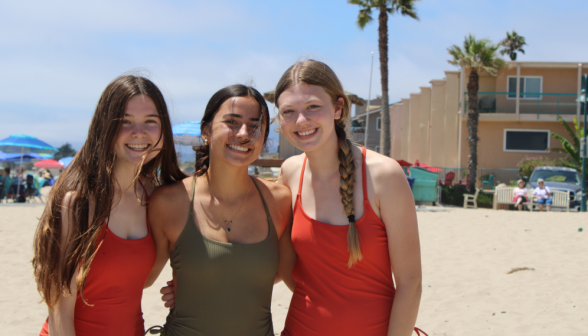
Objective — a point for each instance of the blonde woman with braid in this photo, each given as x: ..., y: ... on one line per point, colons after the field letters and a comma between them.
x: 354, y: 220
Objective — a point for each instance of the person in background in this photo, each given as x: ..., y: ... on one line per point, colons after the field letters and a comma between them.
x: 6, y: 183
x: 519, y: 194
x: 542, y: 195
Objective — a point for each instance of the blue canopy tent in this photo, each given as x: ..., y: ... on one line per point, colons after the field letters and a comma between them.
x: 187, y: 133
x: 15, y: 157
x: 66, y: 161
x: 25, y: 144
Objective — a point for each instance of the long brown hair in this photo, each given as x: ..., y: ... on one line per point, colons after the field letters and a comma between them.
x: 317, y: 73
x: 213, y: 106
x: 89, y: 175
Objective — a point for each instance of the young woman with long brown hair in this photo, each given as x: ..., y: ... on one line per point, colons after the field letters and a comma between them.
x: 354, y: 221
x: 93, y: 248
x: 221, y: 227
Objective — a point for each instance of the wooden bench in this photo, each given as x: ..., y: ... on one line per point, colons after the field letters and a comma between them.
x: 504, y: 196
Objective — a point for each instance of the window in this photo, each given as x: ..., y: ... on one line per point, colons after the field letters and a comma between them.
x: 530, y: 87
x: 378, y: 149
x: 526, y: 140
x: 379, y: 124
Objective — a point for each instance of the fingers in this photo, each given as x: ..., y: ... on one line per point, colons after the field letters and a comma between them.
x: 166, y: 290
x: 170, y: 304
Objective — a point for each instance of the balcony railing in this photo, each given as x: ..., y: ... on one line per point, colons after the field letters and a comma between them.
x: 529, y: 103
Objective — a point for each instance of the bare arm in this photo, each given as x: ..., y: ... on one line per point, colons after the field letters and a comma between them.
x: 61, y: 315
x: 157, y: 218
x: 288, y: 255
x: 399, y: 216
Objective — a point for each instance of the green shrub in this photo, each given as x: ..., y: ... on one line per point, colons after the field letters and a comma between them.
x: 453, y: 195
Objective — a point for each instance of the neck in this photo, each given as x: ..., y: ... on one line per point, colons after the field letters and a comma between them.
x: 324, y: 160
x: 227, y: 182
x: 124, y: 174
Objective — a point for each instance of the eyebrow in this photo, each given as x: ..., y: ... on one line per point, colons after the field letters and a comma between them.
x: 149, y: 115
x: 235, y: 115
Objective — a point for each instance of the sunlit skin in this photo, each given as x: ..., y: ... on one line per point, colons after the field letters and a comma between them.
x: 306, y: 116
x: 140, y: 132
x: 232, y: 136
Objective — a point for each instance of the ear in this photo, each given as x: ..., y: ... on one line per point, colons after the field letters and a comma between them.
x: 340, y: 102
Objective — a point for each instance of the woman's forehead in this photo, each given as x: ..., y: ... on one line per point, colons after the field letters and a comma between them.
x: 243, y: 107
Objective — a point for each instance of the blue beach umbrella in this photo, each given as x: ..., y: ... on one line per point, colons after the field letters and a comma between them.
x: 25, y: 144
x: 66, y: 161
x: 15, y: 157
x: 187, y: 133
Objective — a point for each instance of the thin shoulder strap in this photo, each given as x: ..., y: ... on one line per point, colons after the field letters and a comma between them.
x: 192, y: 193
x: 267, y: 213
x: 363, y: 173
x: 301, y: 175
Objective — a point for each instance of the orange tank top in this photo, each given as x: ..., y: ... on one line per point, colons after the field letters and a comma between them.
x: 330, y: 298
x: 114, y: 286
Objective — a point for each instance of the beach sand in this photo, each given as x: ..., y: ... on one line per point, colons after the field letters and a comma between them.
x: 466, y: 256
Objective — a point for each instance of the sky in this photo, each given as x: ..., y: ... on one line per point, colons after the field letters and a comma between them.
x: 56, y: 57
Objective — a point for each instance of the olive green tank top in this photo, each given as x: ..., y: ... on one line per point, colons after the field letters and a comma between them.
x: 222, y: 289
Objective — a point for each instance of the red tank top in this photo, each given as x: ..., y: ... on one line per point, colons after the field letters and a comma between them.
x: 114, y: 287
x: 330, y: 298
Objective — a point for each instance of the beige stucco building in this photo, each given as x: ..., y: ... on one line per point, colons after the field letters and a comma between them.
x: 518, y: 111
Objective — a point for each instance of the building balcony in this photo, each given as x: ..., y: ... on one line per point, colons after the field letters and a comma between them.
x: 537, y: 106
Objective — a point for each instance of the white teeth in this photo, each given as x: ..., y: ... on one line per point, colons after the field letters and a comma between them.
x: 239, y: 148
x: 138, y: 147
x: 307, y: 132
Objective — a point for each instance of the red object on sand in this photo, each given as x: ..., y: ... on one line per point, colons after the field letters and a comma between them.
x: 48, y: 164
x: 427, y: 167
x: 403, y: 163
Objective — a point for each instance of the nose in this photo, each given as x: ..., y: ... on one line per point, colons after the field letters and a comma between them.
x: 243, y: 133
x: 138, y: 131
x: 301, y: 118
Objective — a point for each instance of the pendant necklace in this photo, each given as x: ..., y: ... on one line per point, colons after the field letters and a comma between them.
x: 230, y: 221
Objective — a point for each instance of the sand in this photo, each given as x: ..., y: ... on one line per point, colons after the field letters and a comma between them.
x: 466, y: 289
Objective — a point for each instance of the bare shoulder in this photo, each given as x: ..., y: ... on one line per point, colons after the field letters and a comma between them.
x: 291, y: 168
x: 168, y: 203
x: 385, y: 171
x: 278, y: 192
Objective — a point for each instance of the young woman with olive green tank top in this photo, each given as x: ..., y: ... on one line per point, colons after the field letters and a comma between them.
x: 222, y: 239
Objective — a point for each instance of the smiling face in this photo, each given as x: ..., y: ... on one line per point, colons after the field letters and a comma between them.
x: 234, y: 135
x: 140, y: 131
x: 307, y: 115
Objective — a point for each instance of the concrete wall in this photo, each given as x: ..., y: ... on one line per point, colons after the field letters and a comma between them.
x: 405, y: 143
x: 373, y: 139
x: 451, y: 119
x: 286, y: 149
x: 491, y: 152
x: 437, y: 123
x: 396, y: 119
x: 424, y: 125
x: 414, y: 132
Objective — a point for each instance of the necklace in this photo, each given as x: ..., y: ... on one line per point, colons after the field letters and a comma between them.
x: 230, y: 221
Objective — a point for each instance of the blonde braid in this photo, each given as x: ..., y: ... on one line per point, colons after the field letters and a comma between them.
x: 347, y: 171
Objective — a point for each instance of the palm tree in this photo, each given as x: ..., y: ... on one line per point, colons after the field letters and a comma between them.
x: 385, y: 7
x: 478, y: 55
x: 511, y: 44
x: 571, y: 148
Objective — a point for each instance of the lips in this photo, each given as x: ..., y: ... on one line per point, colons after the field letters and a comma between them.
x: 307, y: 132
x: 239, y: 148
x: 138, y: 147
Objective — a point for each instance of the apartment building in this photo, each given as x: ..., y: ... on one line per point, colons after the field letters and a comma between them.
x: 518, y: 111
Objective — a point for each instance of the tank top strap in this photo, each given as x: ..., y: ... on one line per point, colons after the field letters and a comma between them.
x: 267, y: 213
x: 363, y: 174
x: 192, y: 194
x: 301, y: 176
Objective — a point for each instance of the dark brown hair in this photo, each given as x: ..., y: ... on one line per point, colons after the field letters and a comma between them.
x: 213, y: 106
x: 317, y: 73
x: 90, y: 176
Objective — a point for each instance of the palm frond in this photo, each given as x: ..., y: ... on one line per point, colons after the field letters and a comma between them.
x: 568, y: 147
x: 573, y: 136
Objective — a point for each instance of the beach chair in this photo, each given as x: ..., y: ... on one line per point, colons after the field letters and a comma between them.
x: 489, y: 183
x: 469, y: 198
x: 449, y: 177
